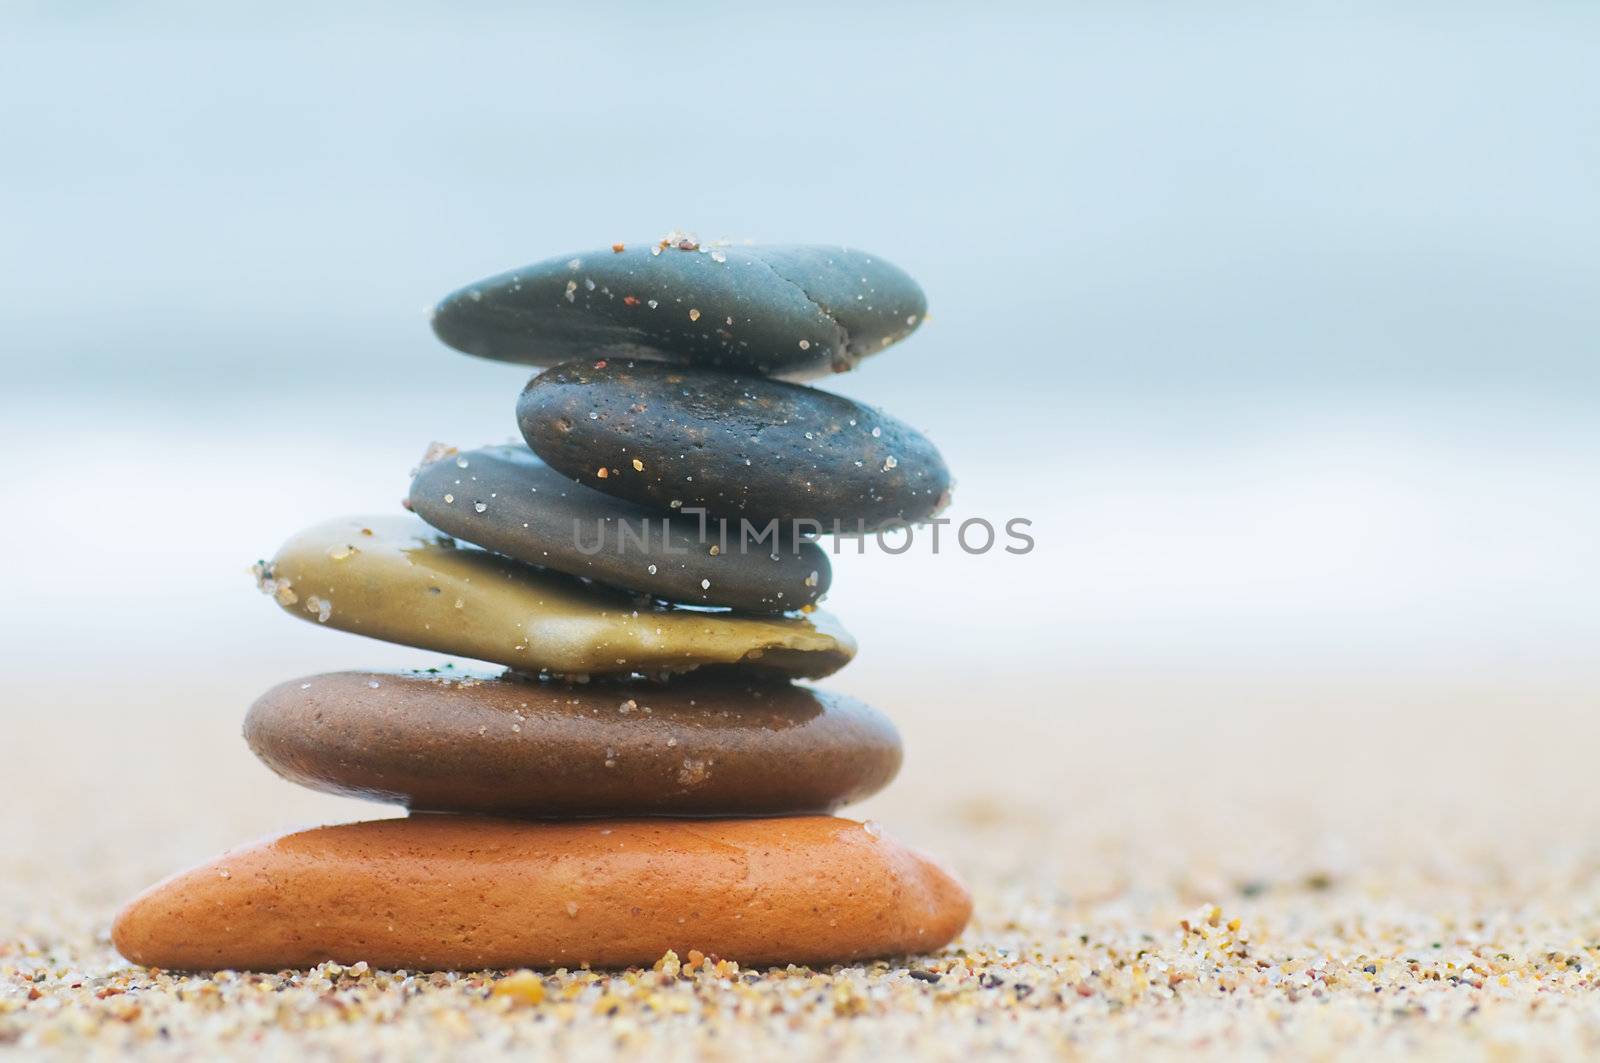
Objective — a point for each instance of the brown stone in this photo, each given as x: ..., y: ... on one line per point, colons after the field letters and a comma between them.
x: 433, y: 892
x: 707, y: 744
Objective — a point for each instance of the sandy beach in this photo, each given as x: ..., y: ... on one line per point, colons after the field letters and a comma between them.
x: 1235, y: 878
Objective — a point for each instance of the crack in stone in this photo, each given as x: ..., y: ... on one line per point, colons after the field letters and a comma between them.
x: 843, y: 345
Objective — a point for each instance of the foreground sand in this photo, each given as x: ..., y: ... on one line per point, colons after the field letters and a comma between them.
x: 1198, y: 868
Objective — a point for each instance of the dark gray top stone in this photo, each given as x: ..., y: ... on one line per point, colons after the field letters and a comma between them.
x: 793, y: 311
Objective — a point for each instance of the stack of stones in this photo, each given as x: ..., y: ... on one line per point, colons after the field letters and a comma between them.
x: 645, y: 775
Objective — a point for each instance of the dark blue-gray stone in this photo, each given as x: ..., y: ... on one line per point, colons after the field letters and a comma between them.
x: 505, y: 499
x: 740, y: 447
x: 791, y: 311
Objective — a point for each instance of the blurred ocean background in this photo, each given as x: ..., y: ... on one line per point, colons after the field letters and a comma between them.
x: 1280, y: 326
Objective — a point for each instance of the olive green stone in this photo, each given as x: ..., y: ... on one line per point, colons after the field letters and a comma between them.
x: 782, y: 310
x: 396, y: 579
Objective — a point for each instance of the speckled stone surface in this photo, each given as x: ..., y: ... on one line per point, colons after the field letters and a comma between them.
x: 737, y: 446
x: 394, y: 578
x: 506, y: 500
x: 790, y: 310
x: 712, y: 743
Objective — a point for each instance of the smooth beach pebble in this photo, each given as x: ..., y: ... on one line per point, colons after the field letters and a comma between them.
x: 793, y: 311
x: 433, y: 892
x: 674, y: 438
x: 396, y: 579
x: 506, y: 499
x: 704, y: 745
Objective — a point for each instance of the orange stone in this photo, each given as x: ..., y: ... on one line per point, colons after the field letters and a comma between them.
x: 465, y: 892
